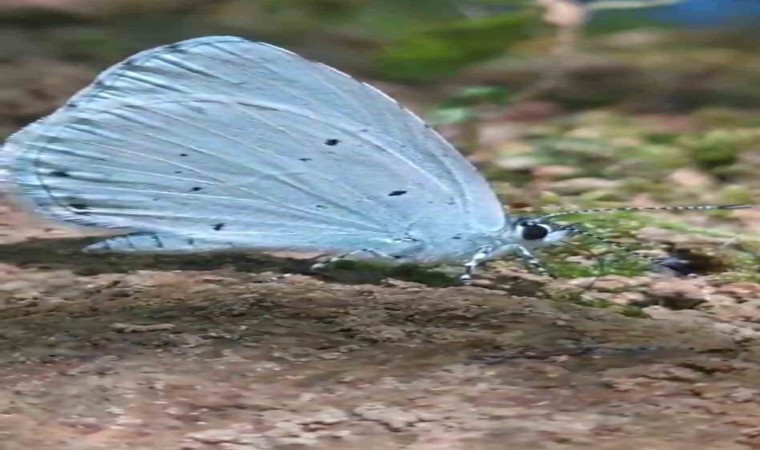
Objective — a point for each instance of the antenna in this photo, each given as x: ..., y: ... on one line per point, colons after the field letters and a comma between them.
x: 646, y: 208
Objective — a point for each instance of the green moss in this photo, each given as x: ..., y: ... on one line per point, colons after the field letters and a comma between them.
x: 636, y: 185
x: 420, y: 274
x: 590, y: 156
x: 737, y: 195
x: 726, y: 117
x: 613, y: 264
x: 634, y: 311
x: 719, y: 148
x: 602, y: 195
x: 711, y: 232
x: 549, y: 199
x: 621, y: 228
x: 603, y: 259
x: 371, y: 271
x: 745, y: 266
x: 581, y: 149
x: 661, y: 156
x: 514, y: 178
x: 661, y: 138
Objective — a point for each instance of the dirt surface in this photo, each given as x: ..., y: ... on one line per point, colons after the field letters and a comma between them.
x: 203, y: 353
x: 114, y: 352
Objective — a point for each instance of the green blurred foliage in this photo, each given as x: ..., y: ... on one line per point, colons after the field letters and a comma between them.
x: 463, y: 106
x: 411, y: 40
x: 441, y: 51
x: 422, y: 41
x: 718, y: 148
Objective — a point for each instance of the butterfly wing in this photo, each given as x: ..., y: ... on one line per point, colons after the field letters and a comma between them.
x: 273, y: 150
x: 149, y: 242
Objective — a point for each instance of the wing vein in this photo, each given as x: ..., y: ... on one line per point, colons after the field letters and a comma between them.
x: 282, y: 180
x: 359, y: 136
x: 241, y: 188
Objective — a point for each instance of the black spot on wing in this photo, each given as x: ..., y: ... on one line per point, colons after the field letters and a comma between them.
x: 157, y: 240
x: 396, y: 193
x: 304, y: 159
x: 218, y: 226
x: 183, y: 154
x: 79, y: 206
x: 195, y: 189
x: 332, y: 142
x: 320, y: 206
x: 59, y: 173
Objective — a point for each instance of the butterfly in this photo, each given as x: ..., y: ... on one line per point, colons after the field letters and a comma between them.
x: 220, y: 143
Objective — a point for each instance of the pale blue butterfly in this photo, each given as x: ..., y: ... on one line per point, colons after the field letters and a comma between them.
x: 221, y: 143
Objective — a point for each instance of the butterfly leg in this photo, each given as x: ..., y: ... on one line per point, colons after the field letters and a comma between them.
x: 472, y: 264
x: 531, y: 261
x: 323, y: 264
x: 375, y: 253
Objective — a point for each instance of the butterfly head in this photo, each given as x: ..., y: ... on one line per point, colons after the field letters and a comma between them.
x: 539, y: 232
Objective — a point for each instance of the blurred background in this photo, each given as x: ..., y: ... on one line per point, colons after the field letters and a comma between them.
x: 562, y: 103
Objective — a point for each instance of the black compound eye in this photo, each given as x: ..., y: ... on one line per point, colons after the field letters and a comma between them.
x: 534, y: 232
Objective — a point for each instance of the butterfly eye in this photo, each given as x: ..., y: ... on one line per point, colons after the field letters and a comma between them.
x: 534, y: 232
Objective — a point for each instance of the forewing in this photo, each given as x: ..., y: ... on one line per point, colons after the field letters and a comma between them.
x: 147, y: 242
x: 349, y: 111
x: 255, y: 174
